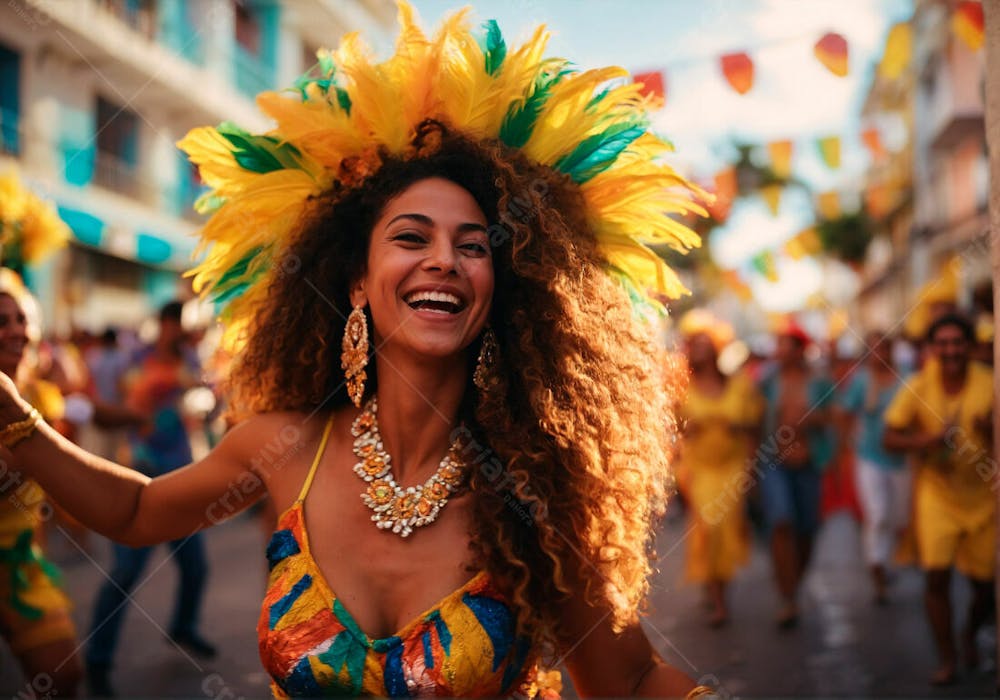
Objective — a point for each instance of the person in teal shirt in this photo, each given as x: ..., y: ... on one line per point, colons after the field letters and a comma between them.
x: 883, y: 479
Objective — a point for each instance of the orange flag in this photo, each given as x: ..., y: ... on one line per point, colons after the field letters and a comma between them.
x: 828, y: 204
x: 898, y: 49
x: 772, y: 196
x: 781, y: 158
x: 831, y: 51
x: 725, y: 193
x: 873, y: 141
x: 967, y: 23
x: 735, y: 282
x: 653, y: 84
x: 738, y: 69
x: 829, y: 150
x: 877, y: 201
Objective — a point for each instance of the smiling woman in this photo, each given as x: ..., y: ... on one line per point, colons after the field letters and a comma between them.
x: 427, y: 270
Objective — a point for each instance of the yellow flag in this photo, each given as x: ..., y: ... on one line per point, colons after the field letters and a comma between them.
x: 803, y: 244
x: 829, y: 150
x: 828, y: 204
x: 781, y: 158
x: 898, y: 49
x: 772, y: 196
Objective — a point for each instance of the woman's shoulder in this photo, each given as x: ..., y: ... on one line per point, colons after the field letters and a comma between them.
x: 280, y: 428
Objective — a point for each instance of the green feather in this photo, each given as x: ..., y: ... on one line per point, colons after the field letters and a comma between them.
x: 327, y: 71
x: 257, y: 153
x: 493, y: 46
x: 208, y: 202
x: 520, y: 119
x: 235, y: 280
x: 598, y: 152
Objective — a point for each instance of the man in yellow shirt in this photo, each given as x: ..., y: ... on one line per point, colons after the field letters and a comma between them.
x: 943, y: 415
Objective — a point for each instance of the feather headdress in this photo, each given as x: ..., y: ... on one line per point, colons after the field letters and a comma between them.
x: 590, y: 125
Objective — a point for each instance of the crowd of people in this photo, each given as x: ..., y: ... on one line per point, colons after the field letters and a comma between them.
x: 907, y: 449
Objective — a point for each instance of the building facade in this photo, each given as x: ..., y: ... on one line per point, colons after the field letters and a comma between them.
x: 94, y: 95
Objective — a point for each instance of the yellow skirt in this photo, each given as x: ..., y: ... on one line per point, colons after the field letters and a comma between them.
x: 718, y: 542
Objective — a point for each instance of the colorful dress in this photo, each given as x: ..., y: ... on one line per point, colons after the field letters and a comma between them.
x: 713, y: 474
x: 465, y: 645
x: 34, y: 611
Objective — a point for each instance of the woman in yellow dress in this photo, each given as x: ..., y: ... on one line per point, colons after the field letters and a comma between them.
x: 720, y: 416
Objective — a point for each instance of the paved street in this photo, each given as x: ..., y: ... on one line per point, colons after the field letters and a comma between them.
x: 844, y: 647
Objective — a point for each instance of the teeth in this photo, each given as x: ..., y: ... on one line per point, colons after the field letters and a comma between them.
x: 433, y: 296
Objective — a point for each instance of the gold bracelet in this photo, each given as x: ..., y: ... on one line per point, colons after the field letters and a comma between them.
x: 15, y: 432
x: 701, y: 691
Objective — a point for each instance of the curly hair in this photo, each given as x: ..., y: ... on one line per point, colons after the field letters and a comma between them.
x: 571, y: 444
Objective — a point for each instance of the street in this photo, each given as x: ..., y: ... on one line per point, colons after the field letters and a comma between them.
x: 844, y: 646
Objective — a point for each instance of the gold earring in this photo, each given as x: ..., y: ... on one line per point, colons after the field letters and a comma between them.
x: 487, y: 362
x: 355, y: 354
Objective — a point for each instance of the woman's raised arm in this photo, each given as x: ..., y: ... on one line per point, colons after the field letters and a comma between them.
x: 121, y: 503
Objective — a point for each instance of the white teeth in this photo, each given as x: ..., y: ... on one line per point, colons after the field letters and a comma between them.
x: 433, y: 296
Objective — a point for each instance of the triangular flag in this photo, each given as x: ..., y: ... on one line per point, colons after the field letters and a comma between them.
x: 967, y: 23
x: 873, y: 141
x: 738, y: 69
x: 725, y: 193
x: 831, y: 51
x: 772, y: 196
x: 653, y: 84
x: 828, y: 204
x: 764, y: 264
x: 829, y: 150
x: 781, y: 158
x: 735, y: 282
x: 803, y: 244
x: 877, y: 201
x: 898, y: 49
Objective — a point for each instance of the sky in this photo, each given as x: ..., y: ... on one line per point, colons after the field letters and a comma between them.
x: 794, y: 96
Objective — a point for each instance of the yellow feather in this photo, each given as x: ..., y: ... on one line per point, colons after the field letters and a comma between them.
x: 375, y: 98
x: 212, y: 153
x: 322, y: 130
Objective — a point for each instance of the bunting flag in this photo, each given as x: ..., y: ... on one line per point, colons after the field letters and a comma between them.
x: 653, y: 85
x: 734, y: 282
x: 828, y: 204
x: 829, y: 151
x: 764, y: 264
x: 781, y: 158
x: 803, y: 244
x: 725, y: 193
x: 738, y: 70
x: 873, y: 142
x: 967, y: 23
x: 772, y: 197
x: 831, y: 50
x: 877, y: 201
x: 898, y: 49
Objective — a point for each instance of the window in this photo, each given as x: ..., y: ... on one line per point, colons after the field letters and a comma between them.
x: 10, y: 100
x: 117, y: 148
x: 248, y: 29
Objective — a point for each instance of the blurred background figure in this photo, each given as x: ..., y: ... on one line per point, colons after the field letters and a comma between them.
x: 720, y: 421
x: 34, y: 611
x: 943, y: 415
x: 154, y: 386
x: 883, y: 479
x: 797, y: 446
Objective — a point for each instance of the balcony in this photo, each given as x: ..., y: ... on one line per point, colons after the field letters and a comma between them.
x: 956, y: 110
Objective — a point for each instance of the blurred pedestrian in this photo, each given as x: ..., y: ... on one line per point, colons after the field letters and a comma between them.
x: 721, y: 418
x: 155, y: 384
x: 797, y: 445
x: 883, y: 479
x: 34, y: 611
x: 943, y: 415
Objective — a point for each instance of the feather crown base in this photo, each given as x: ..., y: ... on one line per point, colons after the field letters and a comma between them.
x: 330, y: 127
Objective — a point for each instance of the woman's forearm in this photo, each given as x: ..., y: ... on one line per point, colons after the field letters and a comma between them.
x: 102, y: 495
x: 664, y: 681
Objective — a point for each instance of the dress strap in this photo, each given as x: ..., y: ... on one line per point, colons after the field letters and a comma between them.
x: 319, y: 455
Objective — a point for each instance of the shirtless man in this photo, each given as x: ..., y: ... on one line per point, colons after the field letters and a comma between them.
x: 798, y: 421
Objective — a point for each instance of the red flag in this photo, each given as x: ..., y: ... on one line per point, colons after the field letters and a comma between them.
x: 738, y: 69
x: 653, y: 83
x: 873, y: 141
x: 831, y: 51
x: 967, y: 23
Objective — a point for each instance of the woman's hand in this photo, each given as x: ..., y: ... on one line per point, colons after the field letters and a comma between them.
x: 12, y: 407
